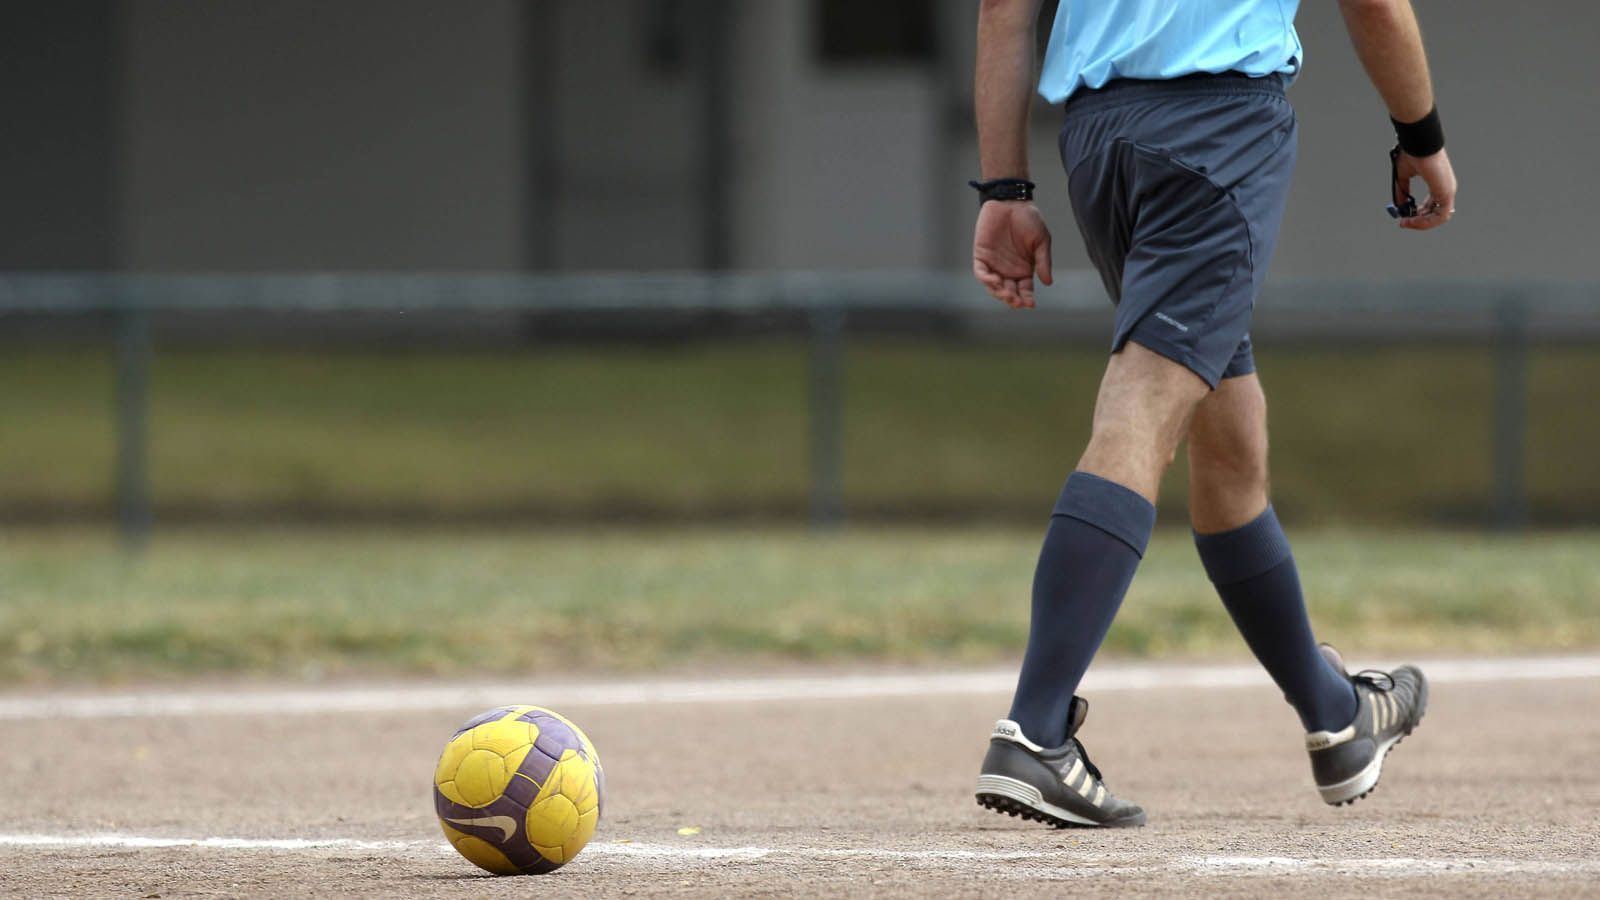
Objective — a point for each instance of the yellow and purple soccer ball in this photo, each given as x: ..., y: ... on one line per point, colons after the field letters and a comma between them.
x: 519, y: 790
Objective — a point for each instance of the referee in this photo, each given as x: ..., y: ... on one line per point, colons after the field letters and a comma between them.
x: 1178, y: 144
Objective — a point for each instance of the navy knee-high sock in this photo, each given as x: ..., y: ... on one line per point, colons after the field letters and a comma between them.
x: 1254, y: 572
x: 1098, y: 532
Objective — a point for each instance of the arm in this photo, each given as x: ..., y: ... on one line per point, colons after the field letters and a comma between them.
x: 1389, y: 45
x: 1003, y: 86
x: 1010, y: 243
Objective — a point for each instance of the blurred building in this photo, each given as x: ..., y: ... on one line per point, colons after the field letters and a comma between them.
x: 184, y: 135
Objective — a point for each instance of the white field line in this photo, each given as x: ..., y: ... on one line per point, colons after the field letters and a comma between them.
x: 1063, y: 862
x: 402, y: 697
x: 143, y: 842
x: 1035, y: 863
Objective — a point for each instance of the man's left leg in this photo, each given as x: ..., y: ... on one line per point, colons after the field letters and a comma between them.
x: 1245, y: 552
x: 1351, y: 722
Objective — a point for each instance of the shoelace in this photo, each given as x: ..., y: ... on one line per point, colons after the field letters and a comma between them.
x: 1372, y: 678
x: 1084, y: 755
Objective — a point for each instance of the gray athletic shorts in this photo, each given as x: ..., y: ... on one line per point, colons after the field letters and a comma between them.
x: 1179, y: 188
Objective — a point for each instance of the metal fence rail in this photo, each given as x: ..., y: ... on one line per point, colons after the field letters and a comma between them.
x: 1507, y: 314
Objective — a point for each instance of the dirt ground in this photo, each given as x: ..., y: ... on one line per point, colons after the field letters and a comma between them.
x: 1495, y: 795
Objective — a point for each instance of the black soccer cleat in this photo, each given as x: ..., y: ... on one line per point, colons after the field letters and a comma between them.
x: 1059, y: 787
x: 1347, y: 763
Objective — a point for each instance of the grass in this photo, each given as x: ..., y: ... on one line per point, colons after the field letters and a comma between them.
x: 1398, y: 435
x: 329, y: 603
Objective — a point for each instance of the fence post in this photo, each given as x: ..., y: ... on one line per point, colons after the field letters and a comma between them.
x: 827, y: 416
x: 132, y: 392
x: 1510, y: 414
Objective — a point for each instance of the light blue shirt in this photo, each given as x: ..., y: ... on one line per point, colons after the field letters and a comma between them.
x: 1096, y: 41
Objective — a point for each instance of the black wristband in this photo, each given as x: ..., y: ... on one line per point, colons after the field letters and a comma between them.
x: 1003, y: 189
x: 1424, y: 137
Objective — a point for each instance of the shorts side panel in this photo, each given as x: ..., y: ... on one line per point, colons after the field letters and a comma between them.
x: 1243, y: 362
x: 1186, y: 283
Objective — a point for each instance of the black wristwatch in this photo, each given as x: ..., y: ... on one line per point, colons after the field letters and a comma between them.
x: 1002, y: 189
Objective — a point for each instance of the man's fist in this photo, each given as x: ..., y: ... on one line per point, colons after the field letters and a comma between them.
x: 1434, y: 171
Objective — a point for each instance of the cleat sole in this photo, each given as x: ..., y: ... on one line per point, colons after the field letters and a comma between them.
x: 1021, y: 800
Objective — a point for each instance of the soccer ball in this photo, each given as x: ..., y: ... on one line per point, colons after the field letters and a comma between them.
x: 518, y: 790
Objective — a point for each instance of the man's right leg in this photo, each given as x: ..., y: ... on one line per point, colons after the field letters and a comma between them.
x: 1036, y: 768
x: 1247, y: 555
x: 1098, y: 531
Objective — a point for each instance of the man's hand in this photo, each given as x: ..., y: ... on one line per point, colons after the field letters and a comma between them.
x: 1009, y: 246
x: 1434, y: 171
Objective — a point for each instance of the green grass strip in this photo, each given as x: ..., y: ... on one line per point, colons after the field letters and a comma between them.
x: 328, y: 603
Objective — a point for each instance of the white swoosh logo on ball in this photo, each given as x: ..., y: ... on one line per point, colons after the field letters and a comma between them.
x: 504, y: 823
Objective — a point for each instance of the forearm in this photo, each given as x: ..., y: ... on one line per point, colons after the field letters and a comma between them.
x: 1003, y: 89
x: 1389, y: 45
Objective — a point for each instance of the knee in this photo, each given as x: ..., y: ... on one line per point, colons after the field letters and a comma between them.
x: 1228, y: 462
x: 1151, y: 448
x: 1129, y: 456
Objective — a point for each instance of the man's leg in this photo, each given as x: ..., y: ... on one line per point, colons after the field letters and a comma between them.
x: 1247, y: 555
x: 1098, y: 531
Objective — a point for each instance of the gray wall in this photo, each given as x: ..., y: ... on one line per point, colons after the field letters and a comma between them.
x: 626, y: 140
x: 830, y: 167
x: 57, y: 161
x: 414, y: 134
x: 835, y: 160
x: 301, y: 134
